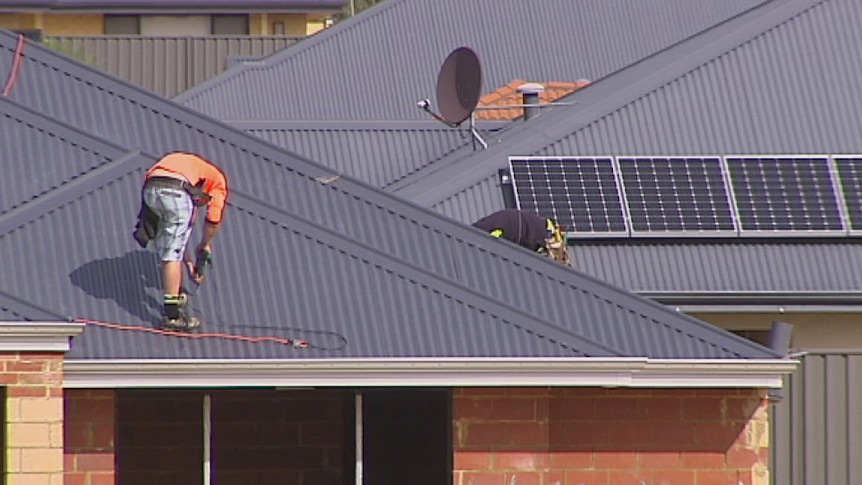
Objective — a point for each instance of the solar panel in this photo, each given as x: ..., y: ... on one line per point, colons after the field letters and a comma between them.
x: 849, y: 170
x: 676, y: 194
x: 784, y: 194
x: 581, y: 193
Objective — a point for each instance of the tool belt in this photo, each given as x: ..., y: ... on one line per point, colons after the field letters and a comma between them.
x: 199, y: 197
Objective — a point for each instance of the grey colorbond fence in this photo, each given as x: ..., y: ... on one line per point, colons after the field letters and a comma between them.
x: 165, y: 65
x: 817, y: 427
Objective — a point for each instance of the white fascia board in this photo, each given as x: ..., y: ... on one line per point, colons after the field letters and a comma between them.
x: 463, y: 372
x: 37, y: 336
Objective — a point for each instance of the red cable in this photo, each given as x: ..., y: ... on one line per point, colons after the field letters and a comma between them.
x: 16, y: 65
x: 300, y: 344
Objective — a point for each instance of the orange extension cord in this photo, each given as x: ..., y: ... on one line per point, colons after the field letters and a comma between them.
x: 295, y: 343
x: 16, y: 65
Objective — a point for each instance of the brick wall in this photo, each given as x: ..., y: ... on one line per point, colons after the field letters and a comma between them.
x: 259, y: 437
x: 90, y: 437
x: 34, y: 417
x: 610, y: 437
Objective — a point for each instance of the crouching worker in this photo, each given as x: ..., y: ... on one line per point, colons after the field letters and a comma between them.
x: 173, y: 189
x: 528, y: 230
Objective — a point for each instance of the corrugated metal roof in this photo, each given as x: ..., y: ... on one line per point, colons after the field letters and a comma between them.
x: 761, y: 270
x: 752, y: 85
x: 377, y: 269
x: 362, y: 148
x: 377, y: 65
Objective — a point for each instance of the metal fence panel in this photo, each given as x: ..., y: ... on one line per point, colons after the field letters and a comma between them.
x: 817, y: 427
x: 165, y: 65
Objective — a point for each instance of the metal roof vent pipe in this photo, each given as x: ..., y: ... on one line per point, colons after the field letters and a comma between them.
x: 530, y: 93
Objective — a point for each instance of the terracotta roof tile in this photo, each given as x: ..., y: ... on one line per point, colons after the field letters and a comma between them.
x: 508, y: 95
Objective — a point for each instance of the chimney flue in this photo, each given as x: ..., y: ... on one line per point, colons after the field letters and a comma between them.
x: 530, y: 94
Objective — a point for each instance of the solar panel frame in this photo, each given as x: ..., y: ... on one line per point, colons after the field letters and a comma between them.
x: 792, y: 232
x: 851, y: 196
x: 731, y: 228
x: 615, y: 222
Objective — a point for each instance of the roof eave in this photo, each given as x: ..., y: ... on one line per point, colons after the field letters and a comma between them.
x: 38, y: 336
x: 433, y: 372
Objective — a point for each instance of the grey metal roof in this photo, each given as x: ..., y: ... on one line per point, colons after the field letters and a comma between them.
x: 301, y: 254
x: 362, y: 149
x: 377, y: 65
x: 730, y: 272
x: 774, y: 80
x: 198, y: 4
x: 750, y: 85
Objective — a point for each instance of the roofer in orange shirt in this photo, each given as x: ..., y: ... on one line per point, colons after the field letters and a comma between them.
x: 173, y: 189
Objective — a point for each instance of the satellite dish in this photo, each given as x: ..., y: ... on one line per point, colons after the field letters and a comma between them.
x: 459, y: 85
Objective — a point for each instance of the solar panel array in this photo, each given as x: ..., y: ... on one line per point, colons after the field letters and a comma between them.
x: 693, y: 196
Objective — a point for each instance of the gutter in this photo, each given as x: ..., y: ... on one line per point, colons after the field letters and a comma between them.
x: 434, y: 372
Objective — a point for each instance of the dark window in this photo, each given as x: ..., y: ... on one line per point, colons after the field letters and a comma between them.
x: 230, y: 24
x: 122, y: 25
x: 407, y: 436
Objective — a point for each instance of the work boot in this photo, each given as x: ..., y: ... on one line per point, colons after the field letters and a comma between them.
x: 182, y: 323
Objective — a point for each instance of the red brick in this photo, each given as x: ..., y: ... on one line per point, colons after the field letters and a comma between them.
x: 629, y: 433
x: 589, y: 433
x: 524, y: 478
x: 616, y: 408
x: 626, y: 477
x: 587, y: 477
x: 665, y: 409
x: 527, y: 434
x: 671, y: 434
x: 481, y: 434
x: 717, y: 436
x: 703, y: 409
x: 570, y: 459
x: 672, y: 477
x: 26, y: 391
x: 40, y: 378
x: 473, y: 460
x: 659, y: 459
x: 76, y: 435
x: 521, y: 460
x: 25, y: 366
x: 103, y: 479
x: 74, y: 478
x: 102, y: 435
x: 716, y: 477
x: 478, y: 409
x: 508, y: 409
x: 483, y: 478
x: 572, y: 409
x: 94, y: 462
x: 741, y: 458
x: 8, y: 378
x: 615, y: 459
x: 702, y: 459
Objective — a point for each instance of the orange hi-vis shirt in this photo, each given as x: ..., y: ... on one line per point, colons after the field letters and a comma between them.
x: 194, y: 169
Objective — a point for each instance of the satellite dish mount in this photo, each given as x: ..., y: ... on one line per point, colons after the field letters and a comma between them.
x: 459, y: 85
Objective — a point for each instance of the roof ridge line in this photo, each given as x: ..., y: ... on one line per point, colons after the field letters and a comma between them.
x: 380, y: 258
x: 68, y: 192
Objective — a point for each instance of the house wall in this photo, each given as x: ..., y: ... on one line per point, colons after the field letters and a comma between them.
x: 156, y: 436
x: 73, y: 24
x: 34, y: 417
x: 90, y: 436
x: 586, y: 436
x: 810, y: 330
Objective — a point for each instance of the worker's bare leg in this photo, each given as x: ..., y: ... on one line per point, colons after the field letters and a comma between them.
x: 173, y: 274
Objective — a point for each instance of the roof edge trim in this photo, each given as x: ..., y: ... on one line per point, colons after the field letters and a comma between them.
x: 37, y: 336
x: 502, y: 372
